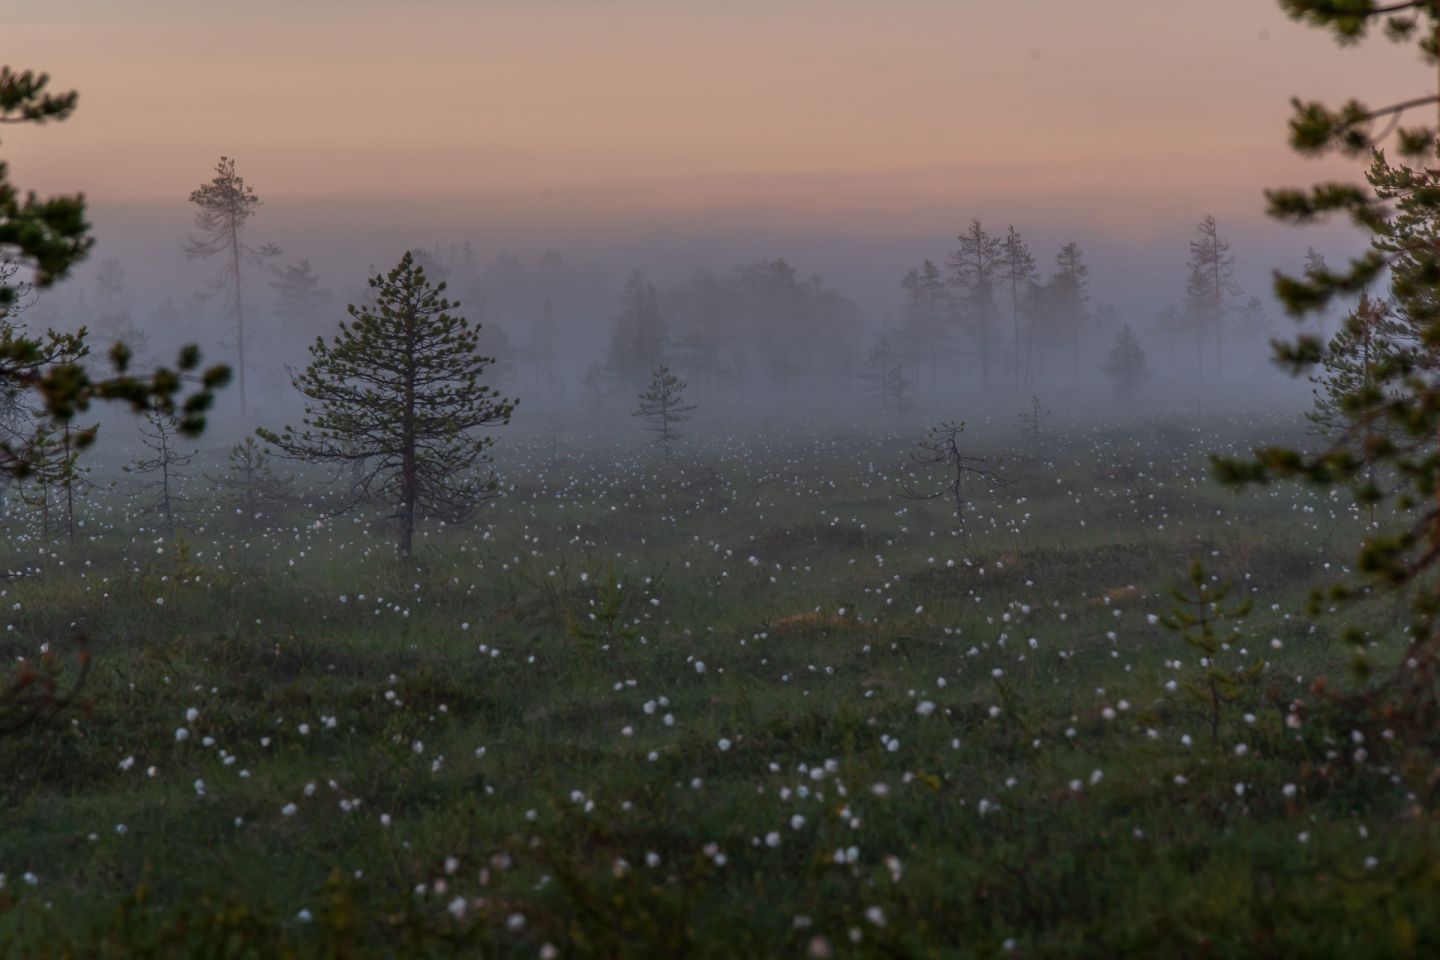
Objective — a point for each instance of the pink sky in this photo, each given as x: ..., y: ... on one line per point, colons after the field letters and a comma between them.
x: 871, y: 114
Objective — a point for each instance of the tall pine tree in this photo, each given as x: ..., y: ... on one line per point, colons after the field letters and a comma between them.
x: 224, y: 206
x: 1068, y: 294
x: 1209, y: 288
x: 974, y: 267
x: 1017, y: 274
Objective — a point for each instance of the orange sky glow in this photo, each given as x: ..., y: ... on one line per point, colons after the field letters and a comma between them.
x: 825, y: 113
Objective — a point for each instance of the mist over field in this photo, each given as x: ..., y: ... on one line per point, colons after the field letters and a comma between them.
x: 793, y: 479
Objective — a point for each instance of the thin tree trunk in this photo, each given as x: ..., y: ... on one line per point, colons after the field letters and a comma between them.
x: 408, y: 491
x: 985, y: 351
x: 1219, y: 310
x: 1435, y: 527
x: 69, y: 488
x: 1030, y: 354
x: 239, y: 312
x: 165, y: 489
x: 1015, y: 323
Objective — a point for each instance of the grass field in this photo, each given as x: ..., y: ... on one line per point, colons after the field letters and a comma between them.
x: 753, y: 703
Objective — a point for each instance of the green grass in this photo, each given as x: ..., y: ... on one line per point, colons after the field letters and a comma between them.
x: 864, y: 669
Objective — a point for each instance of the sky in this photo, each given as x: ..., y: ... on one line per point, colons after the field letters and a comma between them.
x: 643, y: 127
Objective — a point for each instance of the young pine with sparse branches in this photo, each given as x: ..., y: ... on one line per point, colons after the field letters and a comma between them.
x: 395, y: 403
x: 249, y: 486
x: 1202, y: 615
x: 1032, y: 421
x: 1126, y: 366
x: 166, y: 464
x: 883, y: 379
x: 663, y: 407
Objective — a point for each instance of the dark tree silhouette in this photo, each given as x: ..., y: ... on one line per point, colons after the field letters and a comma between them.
x: 1400, y: 208
x: 639, y: 334
x: 396, y: 397
x: 663, y: 407
x: 883, y: 379
x: 1017, y: 274
x: 167, y: 464
x: 249, y: 486
x: 1033, y: 420
x: 40, y: 240
x: 942, y: 448
x: 1209, y: 287
x: 927, y: 309
x: 975, y: 267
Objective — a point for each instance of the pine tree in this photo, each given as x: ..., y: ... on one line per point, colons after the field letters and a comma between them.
x: 1017, y: 274
x: 1400, y: 207
x: 1105, y: 322
x: 974, y: 267
x: 706, y: 346
x: 1316, y: 265
x: 55, y: 476
x: 45, y: 238
x: 494, y: 341
x: 638, y: 338
x: 1031, y: 421
x: 224, y: 206
x: 663, y: 407
x: 168, y: 464
x: 1067, y: 295
x: 926, y: 306
x: 249, y: 486
x: 1348, y: 394
x: 112, y: 318
x: 1351, y: 394
x: 22, y: 294
x: 51, y: 235
x: 37, y: 487
x: 883, y: 379
x: 1126, y: 365
x: 396, y: 395
x: 300, y: 301
x: 1209, y: 287
x: 1172, y: 327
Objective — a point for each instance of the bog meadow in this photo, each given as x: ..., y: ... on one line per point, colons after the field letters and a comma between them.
x: 370, y: 589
